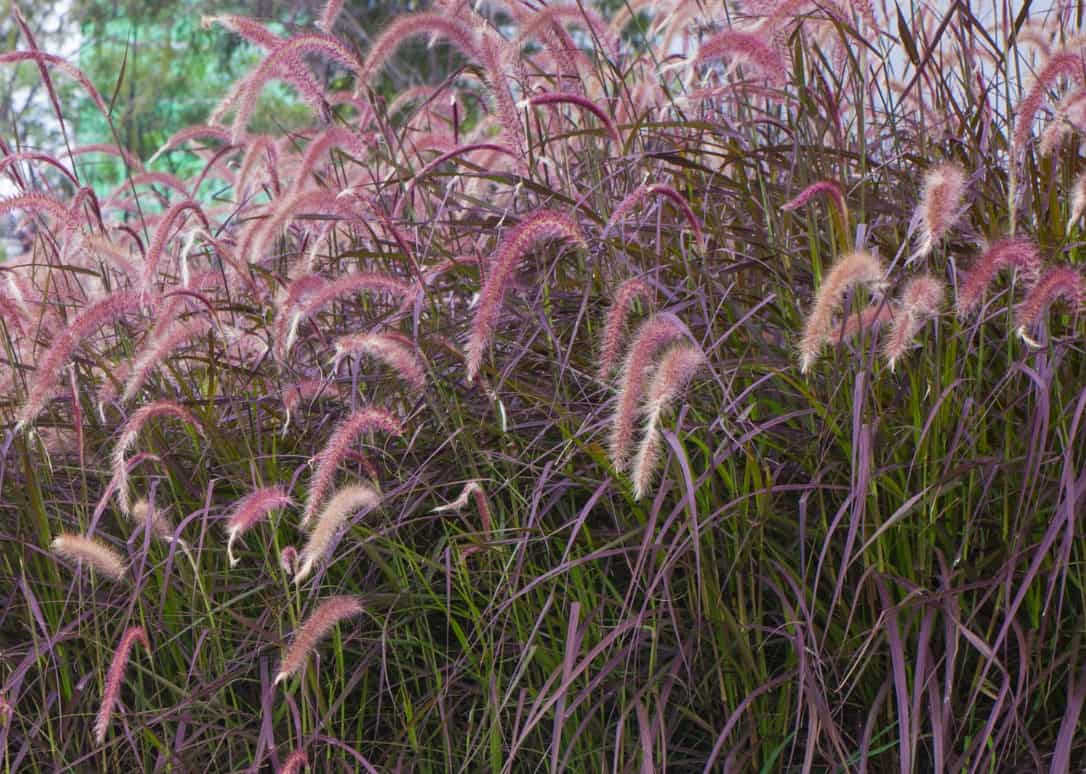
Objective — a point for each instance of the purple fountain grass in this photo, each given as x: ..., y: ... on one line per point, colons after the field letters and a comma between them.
x: 615, y: 326
x: 546, y: 224
x: 565, y: 98
x: 1070, y: 115
x: 677, y: 367
x: 114, y: 678
x: 321, y: 202
x: 342, y: 505
x: 249, y: 511
x: 44, y: 158
x: 749, y: 48
x: 130, y: 431
x: 1060, y: 283
x: 295, y: 762
x: 1018, y: 253
x: 857, y: 268
x: 176, y: 335
x: 394, y: 349
x: 92, y: 552
x: 940, y: 204
x: 46, y: 377
x: 37, y: 202
x: 492, y: 52
x: 364, y: 420
x: 334, y: 137
x: 292, y: 395
x: 1057, y: 66
x: 314, y: 629
x: 921, y: 299
x: 655, y: 189
x: 653, y: 335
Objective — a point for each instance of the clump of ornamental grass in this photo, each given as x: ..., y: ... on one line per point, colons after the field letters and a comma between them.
x: 920, y: 300
x: 90, y: 552
x: 1060, y: 283
x: 249, y: 511
x: 542, y: 225
x: 130, y: 431
x: 940, y: 204
x: 314, y: 629
x: 114, y: 678
x: 1016, y: 253
x: 614, y: 327
x: 343, y: 504
x: 364, y: 420
x: 676, y: 368
x: 655, y: 333
x: 852, y: 270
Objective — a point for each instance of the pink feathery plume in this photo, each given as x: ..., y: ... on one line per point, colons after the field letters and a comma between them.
x: 162, y: 234
x: 471, y: 490
x: 112, y: 690
x: 37, y: 202
x: 295, y: 762
x: 749, y: 48
x: 43, y: 158
x: 364, y: 420
x: 58, y: 63
x: 1062, y: 282
x: 653, y: 335
x: 1078, y: 200
x: 875, y: 314
x: 677, y: 367
x: 832, y: 192
x: 94, y: 553
x: 288, y: 560
x: 546, y: 224
x: 921, y: 300
x: 394, y: 349
x: 200, y: 131
x: 287, y: 61
x: 315, y: 628
x: 411, y: 25
x: 130, y: 431
x: 1018, y: 253
x: 565, y: 98
x: 1057, y: 66
x: 250, y: 510
x: 175, y: 336
x: 857, y: 268
x: 655, y: 189
x: 328, y: 19
x: 340, y: 507
x: 940, y: 204
x: 628, y: 292
x: 322, y: 294
x: 43, y: 386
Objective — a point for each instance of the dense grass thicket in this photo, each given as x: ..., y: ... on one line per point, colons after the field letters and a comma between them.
x: 690, y: 387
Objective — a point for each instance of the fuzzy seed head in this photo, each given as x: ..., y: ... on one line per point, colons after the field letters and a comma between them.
x: 95, y: 553
x: 114, y: 678
x: 343, y: 504
x: 314, y: 629
x: 1018, y: 253
x: 857, y: 268
x: 940, y: 203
